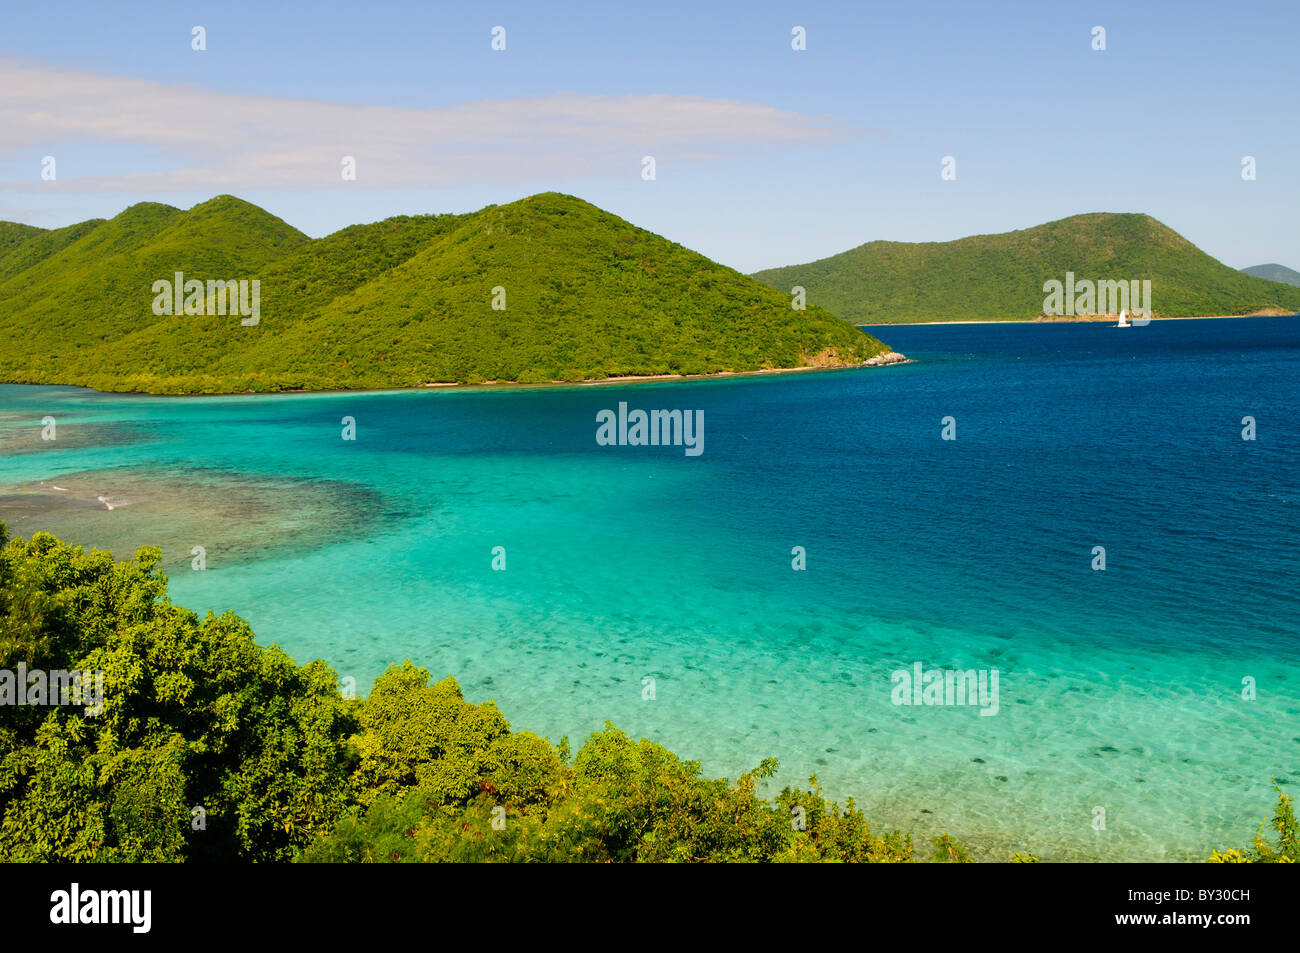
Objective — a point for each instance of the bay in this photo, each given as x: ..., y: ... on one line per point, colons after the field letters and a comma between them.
x: 1119, y: 689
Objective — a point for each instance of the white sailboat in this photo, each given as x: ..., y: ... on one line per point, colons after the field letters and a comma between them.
x: 1123, y: 320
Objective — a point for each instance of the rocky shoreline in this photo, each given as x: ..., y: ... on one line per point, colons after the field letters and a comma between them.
x: 889, y: 357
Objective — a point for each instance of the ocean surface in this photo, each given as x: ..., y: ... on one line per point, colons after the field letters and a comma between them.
x: 1121, y: 692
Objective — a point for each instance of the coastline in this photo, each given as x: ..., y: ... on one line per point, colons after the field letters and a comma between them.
x: 880, y: 360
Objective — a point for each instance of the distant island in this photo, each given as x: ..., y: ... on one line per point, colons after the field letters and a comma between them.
x: 227, y: 298
x: 1001, y: 276
x: 1288, y: 276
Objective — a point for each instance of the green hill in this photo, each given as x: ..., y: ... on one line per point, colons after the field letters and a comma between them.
x: 34, y: 245
x: 59, y: 313
x: 399, y: 303
x: 1288, y: 276
x: 990, y: 277
x: 13, y: 235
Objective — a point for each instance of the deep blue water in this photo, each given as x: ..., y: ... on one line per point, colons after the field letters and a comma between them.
x: 1119, y: 689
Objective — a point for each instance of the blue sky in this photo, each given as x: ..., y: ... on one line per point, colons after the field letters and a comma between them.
x: 764, y: 156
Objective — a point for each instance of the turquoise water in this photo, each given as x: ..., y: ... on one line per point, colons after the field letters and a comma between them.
x: 1119, y: 689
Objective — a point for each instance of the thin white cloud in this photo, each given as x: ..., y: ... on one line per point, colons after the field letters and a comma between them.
x: 193, y: 139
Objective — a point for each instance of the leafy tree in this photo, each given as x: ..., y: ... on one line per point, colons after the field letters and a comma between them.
x: 194, y: 715
x: 1285, y: 851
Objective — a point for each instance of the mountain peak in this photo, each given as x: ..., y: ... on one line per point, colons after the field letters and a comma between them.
x: 230, y: 208
x: 143, y: 210
x: 225, y: 203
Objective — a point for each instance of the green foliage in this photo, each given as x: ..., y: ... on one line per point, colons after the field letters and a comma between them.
x: 22, y: 246
x: 841, y: 834
x: 622, y: 801
x: 987, y: 277
x: 1286, y: 850
x: 76, y: 298
x: 194, y: 714
x: 429, y: 738
x: 381, y: 834
x: 399, y: 303
x: 949, y: 851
